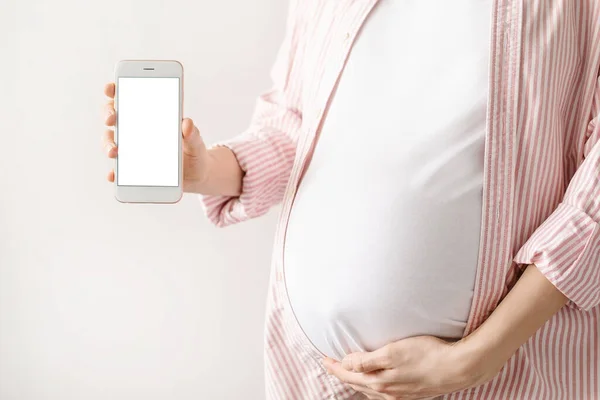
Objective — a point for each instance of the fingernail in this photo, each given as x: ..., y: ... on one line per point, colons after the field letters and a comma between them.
x: 109, y: 147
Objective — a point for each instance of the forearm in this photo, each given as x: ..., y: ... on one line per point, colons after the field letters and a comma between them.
x: 224, y: 175
x: 529, y: 304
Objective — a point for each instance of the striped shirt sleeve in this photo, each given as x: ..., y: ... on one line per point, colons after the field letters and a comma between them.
x: 266, y: 150
x: 566, y: 247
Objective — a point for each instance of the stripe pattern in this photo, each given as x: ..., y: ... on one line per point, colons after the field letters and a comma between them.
x: 541, y: 200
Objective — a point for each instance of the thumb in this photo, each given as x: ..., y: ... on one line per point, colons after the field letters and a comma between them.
x: 192, y: 142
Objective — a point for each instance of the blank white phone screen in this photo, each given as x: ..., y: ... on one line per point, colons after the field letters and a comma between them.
x: 148, y: 131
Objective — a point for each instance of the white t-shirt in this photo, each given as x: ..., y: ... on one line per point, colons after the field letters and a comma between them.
x: 383, y: 238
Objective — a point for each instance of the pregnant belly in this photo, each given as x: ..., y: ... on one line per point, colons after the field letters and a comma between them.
x: 358, y: 278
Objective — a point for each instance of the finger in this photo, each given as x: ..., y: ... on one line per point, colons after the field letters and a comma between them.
x: 110, y: 116
x: 368, y: 361
x: 108, y: 137
x: 109, y: 90
x: 335, y: 368
x: 369, y: 393
x: 187, y: 128
x: 191, y: 136
x: 111, y: 176
x: 108, y: 140
x: 406, y: 384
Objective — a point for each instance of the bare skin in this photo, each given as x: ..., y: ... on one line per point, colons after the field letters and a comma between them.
x: 423, y: 366
x: 414, y: 368
x: 206, y: 171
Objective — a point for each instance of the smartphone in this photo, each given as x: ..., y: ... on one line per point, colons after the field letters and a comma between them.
x: 149, y: 111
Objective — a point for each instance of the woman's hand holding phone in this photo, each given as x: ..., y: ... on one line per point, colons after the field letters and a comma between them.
x: 214, y: 171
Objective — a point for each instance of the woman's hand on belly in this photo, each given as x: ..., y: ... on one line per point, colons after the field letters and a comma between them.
x: 420, y: 367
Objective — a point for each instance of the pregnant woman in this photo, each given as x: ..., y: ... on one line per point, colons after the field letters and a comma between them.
x: 438, y: 164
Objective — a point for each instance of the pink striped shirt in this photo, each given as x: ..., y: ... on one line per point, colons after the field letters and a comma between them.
x: 541, y: 198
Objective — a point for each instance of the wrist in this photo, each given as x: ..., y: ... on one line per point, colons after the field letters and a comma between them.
x: 209, y: 168
x: 218, y: 173
x: 198, y: 180
x: 478, y: 358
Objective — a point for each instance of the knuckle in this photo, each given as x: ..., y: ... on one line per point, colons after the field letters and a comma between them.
x: 347, y: 363
x: 387, y: 351
x: 380, y: 387
x: 359, y: 364
x: 387, y: 355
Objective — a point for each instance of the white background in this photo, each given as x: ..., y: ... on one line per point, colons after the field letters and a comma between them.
x: 148, y: 131
x: 107, y: 301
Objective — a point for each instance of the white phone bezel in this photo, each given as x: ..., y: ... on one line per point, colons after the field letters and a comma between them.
x: 148, y: 69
